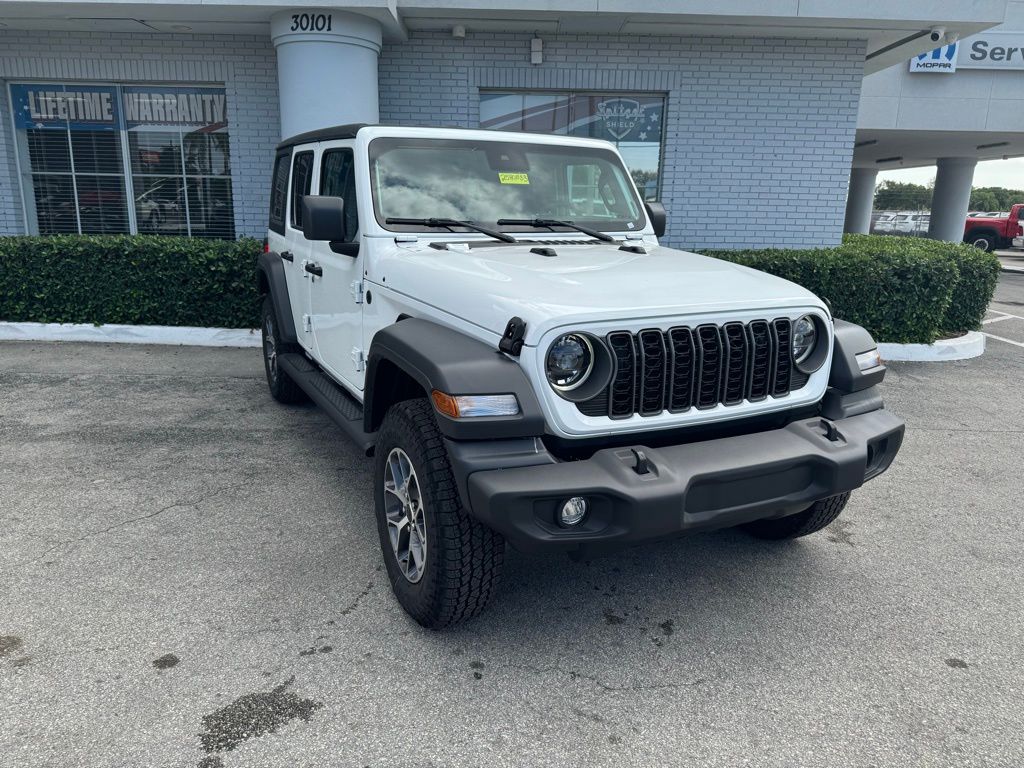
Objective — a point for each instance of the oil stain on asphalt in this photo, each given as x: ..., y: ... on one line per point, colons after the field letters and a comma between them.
x: 9, y: 644
x: 611, y: 618
x: 166, y: 661
x: 312, y: 649
x: 477, y: 666
x: 253, y: 715
x: 841, y: 532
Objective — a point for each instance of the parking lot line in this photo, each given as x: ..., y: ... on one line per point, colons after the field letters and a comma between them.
x: 999, y: 319
x: 1008, y: 341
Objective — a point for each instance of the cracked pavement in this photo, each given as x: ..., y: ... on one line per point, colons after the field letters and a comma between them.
x: 191, y: 577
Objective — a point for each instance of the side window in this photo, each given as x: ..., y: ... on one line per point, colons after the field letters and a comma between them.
x: 338, y: 179
x: 302, y: 178
x: 279, y: 192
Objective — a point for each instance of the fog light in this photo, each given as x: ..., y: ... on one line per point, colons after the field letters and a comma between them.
x: 573, y: 511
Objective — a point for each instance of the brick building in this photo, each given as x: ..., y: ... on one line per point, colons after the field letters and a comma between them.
x: 162, y: 117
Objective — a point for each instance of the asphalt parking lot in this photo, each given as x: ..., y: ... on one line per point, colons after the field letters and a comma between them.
x: 179, y: 554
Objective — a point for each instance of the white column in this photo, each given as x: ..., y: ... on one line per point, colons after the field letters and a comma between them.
x: 326, y: 68
x: 860, y: 200
x: 952, y: 195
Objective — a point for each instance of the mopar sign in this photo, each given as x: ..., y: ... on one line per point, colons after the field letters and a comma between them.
x: 989, y: 50
x: 942, y: 59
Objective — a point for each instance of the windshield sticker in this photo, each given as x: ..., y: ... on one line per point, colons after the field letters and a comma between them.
x: 514, y: 178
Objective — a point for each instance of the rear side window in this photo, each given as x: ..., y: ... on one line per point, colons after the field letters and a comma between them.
x: 279, y: 192
x: 302, y: 179
x: 338, y: 179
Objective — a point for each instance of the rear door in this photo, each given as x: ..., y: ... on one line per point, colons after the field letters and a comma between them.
x: 336, y: 295
x: 296, y: 253
x: 277, y: 231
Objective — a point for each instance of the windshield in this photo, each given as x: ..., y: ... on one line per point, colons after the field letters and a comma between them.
x: 484, y: 181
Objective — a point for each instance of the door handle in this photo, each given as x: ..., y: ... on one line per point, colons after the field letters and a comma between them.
x: 287, y: 256
x: 313, y: 269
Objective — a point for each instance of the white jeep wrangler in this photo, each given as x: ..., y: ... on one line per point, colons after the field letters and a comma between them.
x: 491, y: 316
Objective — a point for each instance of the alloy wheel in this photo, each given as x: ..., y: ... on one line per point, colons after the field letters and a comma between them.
x: 403, y: 508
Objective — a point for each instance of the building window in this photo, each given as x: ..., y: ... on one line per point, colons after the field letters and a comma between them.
x: 633, y: 122
x: 118, y: 159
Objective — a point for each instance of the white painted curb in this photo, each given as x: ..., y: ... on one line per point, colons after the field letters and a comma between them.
x: 960, y: 348
x: 131, y: 334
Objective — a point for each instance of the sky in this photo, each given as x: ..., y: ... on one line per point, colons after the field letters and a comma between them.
x: 991, y: 173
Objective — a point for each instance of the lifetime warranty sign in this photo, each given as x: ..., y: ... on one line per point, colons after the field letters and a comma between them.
x: 99, y: 107
x: 989, y: 50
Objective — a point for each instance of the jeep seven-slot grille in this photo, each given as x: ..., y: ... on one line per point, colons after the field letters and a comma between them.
x: 702, y: 367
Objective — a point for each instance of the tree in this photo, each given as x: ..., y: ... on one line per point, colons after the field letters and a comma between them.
x: 900, y: 196
x: 995, y: 198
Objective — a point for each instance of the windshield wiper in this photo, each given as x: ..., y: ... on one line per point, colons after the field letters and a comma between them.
x: 449, y: 223
x: 552, y: 223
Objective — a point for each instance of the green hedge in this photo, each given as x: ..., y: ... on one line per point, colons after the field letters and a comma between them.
x: 979, y: 272
x: 139, y: 280
x: 902, y: 289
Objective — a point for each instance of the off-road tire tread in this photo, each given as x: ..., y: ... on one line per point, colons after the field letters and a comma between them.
x: 811, y: 520
x: 464, y: 571
x: 285, y: 390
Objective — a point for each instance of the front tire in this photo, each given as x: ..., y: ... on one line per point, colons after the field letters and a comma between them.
x: 984, y: 241
x: 443, y: 564
x: 811, y: 520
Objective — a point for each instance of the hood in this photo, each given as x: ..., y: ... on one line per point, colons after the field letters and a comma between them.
x: 581, y: 284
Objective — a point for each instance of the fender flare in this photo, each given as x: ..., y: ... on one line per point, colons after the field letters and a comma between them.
x: 270, y: 280
x: 845, y: 375
x: 437, y: 357
x: 982, y: 230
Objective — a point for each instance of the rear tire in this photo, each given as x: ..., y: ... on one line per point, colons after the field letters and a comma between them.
x: 282, y: 387
x: 811, y: 520
x: 443, y: 564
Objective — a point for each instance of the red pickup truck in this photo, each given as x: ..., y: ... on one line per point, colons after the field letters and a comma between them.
x: 991, y: 232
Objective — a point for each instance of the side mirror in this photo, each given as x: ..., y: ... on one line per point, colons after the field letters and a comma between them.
x: 323, y: 218
x: 656, y: 213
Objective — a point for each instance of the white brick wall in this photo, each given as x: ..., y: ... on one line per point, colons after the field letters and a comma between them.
x: 759, y: 135
x: 246, y: 66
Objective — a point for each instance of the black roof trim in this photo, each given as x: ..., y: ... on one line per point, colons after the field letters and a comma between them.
x: 324, y: 134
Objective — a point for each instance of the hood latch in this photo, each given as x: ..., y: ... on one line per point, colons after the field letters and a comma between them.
x: 511, y: 342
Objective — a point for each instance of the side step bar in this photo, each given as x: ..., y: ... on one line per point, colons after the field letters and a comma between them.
x: 339, y: 404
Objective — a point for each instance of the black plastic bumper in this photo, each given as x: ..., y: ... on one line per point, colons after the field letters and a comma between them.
x: 711, y: 484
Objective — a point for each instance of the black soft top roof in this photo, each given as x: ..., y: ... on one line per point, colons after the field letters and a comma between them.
x: 323, y: 134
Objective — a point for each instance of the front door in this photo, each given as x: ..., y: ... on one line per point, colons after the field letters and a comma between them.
x: 335, y: 295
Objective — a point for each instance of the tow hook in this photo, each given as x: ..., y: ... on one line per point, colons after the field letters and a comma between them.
x: 643, y: 464
x: 832, y: 433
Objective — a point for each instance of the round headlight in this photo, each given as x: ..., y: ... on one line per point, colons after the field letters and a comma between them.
x: 570, y: 361
x: 805, y: 337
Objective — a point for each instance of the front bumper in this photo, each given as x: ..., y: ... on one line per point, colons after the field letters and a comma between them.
x: 711, y: 484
